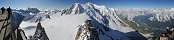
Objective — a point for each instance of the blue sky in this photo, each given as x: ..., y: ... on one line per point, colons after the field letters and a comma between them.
x: 64, y: 4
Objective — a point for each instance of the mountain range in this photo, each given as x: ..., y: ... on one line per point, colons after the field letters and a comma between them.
x: 90, y: 21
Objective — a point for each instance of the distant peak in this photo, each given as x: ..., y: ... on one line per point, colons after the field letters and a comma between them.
x: 88, y: 4
x: 78, y: 8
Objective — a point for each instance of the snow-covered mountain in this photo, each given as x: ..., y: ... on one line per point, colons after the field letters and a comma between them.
x: 152, y: 19
x: 74, y: 24
x: 31, y: 14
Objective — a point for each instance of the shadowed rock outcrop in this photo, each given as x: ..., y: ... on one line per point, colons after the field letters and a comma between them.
x: 9, y: 25
x: 40, y: 33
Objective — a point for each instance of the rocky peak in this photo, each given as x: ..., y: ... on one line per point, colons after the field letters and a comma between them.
x: 9, y: 25
x: 40, y: 33
x: 93, y: 30
x: 89, y: 31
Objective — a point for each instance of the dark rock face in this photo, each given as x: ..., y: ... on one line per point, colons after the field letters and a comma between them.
x: 40, y: 33
x: 3, y: 10
x: 90, y: 29
x: 7, y: 30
